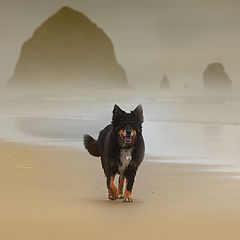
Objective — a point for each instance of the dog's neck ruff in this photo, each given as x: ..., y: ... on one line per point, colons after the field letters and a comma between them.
x: 126, y: 146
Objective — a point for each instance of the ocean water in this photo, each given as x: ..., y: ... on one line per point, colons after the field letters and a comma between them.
x: 185, y: 130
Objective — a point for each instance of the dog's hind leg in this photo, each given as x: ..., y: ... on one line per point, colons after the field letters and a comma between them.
x: 120, y: 187
x: 112, y: 190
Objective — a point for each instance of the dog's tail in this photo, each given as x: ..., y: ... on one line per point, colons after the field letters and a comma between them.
x: 91, y: 145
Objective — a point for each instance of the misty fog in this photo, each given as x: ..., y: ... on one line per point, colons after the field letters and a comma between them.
x: 184, y: 122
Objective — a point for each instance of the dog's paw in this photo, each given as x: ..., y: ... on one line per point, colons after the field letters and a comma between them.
x: 120, y: 196
x: 113, y: 194
x: 127, y: 196
x: 129, y: 199
x: 110, y: 197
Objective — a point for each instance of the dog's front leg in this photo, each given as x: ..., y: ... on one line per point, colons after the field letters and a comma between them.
x: 128, y: 190
x: 112, y: 190
x: 120, y: 187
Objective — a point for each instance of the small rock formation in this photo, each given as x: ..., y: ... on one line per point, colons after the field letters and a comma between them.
x: 68, y: 50
x: 165, y: 84
x: 215, y: 77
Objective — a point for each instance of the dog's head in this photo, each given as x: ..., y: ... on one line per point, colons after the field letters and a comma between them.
x: 127, y: 126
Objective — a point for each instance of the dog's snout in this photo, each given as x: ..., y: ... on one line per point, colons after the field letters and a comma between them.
x: 128, y: 132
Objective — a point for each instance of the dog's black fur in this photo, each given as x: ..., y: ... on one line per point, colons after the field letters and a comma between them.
x: 123, y: 134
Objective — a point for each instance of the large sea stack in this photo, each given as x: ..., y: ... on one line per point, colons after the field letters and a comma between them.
x: 68, y: 50
x: 215, y: 77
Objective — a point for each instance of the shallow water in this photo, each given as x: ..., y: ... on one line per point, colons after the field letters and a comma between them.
x: 176, y: 130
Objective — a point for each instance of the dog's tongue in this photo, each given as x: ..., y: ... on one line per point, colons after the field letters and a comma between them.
x: 128, y: 139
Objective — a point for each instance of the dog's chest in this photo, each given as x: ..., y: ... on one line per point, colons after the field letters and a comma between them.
x: 125, y: 159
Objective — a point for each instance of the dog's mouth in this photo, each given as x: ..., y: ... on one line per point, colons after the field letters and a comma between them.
x: 127, y: 137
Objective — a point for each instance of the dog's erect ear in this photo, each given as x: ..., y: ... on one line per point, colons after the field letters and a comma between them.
x: 117, y: 111
x: 138, y: 111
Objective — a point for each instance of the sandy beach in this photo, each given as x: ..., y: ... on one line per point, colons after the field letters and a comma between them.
x: 59, y: 193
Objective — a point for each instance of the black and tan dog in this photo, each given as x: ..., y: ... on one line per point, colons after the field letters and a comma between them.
x: 121, y: 148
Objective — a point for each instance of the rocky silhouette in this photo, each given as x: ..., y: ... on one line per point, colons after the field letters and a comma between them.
x: 165, y: 84
x: 68, y: 49
x: 215, y: 77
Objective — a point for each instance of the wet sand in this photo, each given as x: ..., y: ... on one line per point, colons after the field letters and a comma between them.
x: 59, y: 193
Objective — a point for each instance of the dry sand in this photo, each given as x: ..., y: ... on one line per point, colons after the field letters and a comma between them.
x: 56, y: 193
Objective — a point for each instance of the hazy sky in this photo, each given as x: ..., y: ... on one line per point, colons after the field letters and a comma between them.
x: 151, y: 38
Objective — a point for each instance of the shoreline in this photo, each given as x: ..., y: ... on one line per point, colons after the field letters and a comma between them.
x: 149, y: 158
